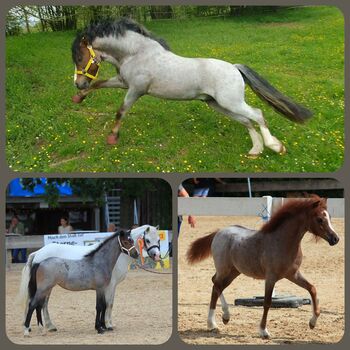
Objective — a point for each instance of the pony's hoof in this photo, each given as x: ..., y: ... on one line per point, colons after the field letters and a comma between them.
x: 100, y: 330
x: 225, y: 320
x: 112, y: 139
x: 312, y: 323
x: 77, y: 99
x: 283, y: 150
x: 253, y: 155
x: 53, y: 329
x: 264, y: 334
x: 110, y: 329
x: 26, y: 333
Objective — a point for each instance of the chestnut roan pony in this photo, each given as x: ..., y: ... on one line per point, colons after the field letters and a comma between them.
x: 148, y: 67
x: 272, y: 253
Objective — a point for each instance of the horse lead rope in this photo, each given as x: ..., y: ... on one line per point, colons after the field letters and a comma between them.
x: 157, y: 272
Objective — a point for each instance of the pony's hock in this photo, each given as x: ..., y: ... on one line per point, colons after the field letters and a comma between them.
x: 147, y: 66
x: 281, y: 301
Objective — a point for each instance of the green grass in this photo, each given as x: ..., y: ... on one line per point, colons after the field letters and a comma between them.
x: 300, y: 51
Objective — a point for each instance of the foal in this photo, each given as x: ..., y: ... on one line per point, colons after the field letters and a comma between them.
x: 272, y: 253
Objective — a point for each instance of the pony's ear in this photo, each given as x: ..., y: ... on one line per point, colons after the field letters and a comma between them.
x: 316, y: 204
x: 157, y: 227
x: 148, y: 229
x: 84, y: 41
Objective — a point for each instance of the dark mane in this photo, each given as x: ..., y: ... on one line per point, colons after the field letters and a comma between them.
x: 112, y: 27
x: 291, y: 208
x: 92, y: 253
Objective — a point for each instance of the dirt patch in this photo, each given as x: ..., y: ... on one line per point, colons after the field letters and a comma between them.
x: 142, y: 313
x: 322, y: 265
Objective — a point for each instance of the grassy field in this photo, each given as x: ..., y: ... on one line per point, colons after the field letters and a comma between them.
x: 300, y: 51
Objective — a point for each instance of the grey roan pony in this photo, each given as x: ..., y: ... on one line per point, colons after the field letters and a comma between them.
x: 93, y: 271
x: 147, y: 66
x: 272, y: 253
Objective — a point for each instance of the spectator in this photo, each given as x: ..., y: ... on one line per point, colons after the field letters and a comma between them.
x: 202, y: 186
x: 65, y: 226
x: 191, y: 219
x: 16, y: 227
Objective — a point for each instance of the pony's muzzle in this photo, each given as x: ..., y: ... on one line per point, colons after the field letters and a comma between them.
x: 333, y: 239
x: 134, y: 254
x: 82, y: 84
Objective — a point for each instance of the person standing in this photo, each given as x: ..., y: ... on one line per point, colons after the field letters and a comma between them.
x: 16, y: 227
x: 65, y: 227
x: 191, y: 219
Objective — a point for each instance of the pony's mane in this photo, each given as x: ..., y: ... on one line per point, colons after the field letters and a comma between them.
x: 102, y: 244
x: 292, y: 208
x: 113, y: 27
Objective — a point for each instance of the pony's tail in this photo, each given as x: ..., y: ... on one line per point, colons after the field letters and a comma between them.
x: 200, y: 249
x: 281, y: 103
x: 23, y: 295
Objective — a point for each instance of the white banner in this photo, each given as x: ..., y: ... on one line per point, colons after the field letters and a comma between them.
x: 77, y: 238
x: 92, y: 238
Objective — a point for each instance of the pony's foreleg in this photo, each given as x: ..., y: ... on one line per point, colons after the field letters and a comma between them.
x: 109, y: 296
x: 130, y: 98
x: 299, y: 280
x: 269, y: 285
x: 115, y: 82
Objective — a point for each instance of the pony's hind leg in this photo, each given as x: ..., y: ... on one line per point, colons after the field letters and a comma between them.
x: 47, y: 320
x: 299, y: 280
x: 220, y: 283
x: 100, y: 325
x: 35, y: 304
x: 257, y: 141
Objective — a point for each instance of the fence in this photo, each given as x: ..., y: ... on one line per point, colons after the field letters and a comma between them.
x: 243, y: 206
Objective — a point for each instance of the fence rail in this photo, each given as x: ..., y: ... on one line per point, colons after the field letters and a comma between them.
x: 242, y: 206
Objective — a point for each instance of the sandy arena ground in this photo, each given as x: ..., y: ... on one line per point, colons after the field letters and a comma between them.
x: 322, y: 265
x: 142, y: 312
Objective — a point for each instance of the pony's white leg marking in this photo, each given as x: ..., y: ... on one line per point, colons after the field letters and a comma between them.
x: 258, y: 145
x: 26, y: 332
x: 271, y: 141
x: 225, y: 309
x: 211, y: 323
x: 264, y: 333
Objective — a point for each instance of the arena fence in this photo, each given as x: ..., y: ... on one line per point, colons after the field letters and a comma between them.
x: 244, y: 206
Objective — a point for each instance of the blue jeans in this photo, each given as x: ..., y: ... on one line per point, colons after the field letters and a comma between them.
x: 15, y: 253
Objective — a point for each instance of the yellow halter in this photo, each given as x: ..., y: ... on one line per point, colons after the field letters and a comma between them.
x: 85, y: 71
